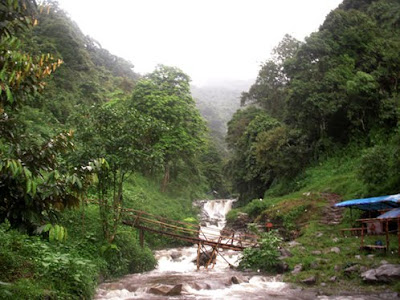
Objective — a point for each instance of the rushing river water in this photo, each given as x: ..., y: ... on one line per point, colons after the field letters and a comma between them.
x: 176, y: 271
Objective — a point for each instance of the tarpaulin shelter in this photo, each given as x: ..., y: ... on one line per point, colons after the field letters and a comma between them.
x: 380, y: 224
x: 373, y: 203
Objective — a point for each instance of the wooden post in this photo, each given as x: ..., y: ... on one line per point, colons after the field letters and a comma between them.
x: 198, y: 256
x: 387, y: 235
x: 141, y: 237
x: 211, y: 257
x: 398, y: 232
x: 362, y: 235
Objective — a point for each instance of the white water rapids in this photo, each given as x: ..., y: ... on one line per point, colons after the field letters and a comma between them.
x: 176, y: 268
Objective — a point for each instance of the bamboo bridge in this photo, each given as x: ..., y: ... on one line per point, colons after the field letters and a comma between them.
x: 189, y: 232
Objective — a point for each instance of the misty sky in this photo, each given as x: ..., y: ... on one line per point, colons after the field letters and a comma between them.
x: 208, y: 39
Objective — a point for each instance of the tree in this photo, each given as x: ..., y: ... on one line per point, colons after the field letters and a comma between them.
x: 248, y: 177
x: 34, y: 185
x: 270, y: 89
x: 164, y: 95
x: 118, y: 141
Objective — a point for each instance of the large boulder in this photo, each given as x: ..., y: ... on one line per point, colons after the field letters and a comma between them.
x: 164, y: 290
x: 160, y: 290
x: 175, y: 291
x: 384, y: 273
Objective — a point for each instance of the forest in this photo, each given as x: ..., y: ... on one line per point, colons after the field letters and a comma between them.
x: 82, y: 136
x: 312, y: 99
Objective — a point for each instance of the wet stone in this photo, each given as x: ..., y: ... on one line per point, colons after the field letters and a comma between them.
x: 236, y: 280
x: 161, y: 290
x: 131, y: 287
x: 201, y: 286
x: 175, y: 291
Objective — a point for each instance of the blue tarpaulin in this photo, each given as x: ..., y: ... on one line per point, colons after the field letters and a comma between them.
x: 391, y: 214
x: 374, y: 203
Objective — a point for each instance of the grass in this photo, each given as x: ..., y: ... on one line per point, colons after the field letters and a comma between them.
x: 298, y: 214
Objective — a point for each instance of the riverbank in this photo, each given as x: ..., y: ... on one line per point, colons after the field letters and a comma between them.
x: 315, y: 252
x: 33, y: 267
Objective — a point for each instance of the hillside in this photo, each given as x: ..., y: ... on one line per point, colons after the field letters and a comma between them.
x: 315, y: 252
x: 312, y: 98
x: 82, y: 137
x: 217, y: 103
x: 321, y: 125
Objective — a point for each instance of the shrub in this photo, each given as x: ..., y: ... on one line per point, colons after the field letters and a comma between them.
x: 266, y: 256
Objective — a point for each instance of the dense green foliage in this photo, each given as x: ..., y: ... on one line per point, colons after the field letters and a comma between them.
x: 164, y: 95
x: 78, y: 124
x: 339, y: 86
x: 265, y: 257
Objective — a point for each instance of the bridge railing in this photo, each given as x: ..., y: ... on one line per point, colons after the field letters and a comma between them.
x: 187, y: 231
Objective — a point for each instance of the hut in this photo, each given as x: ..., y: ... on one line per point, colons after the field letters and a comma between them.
x: 383, y: 219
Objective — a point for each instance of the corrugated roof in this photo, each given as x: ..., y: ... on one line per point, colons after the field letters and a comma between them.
x: 391, y: 214
x: 374, y: 203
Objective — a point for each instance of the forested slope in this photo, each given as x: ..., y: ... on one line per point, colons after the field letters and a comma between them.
x: 82, y: 136
x: 217, y: 103
x: 313, y: 98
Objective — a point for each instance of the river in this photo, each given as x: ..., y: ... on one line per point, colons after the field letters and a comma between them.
x: 177, y: 274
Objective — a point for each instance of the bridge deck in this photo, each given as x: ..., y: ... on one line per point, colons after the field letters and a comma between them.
x: 188, y: 232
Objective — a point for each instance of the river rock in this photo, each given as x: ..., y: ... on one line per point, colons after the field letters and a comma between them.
x: 384, y: 273
x: 201, y: 286
x: 236, y: 280
x: 175, y: 256
x: 161, y: 290
x: 333, y: 279
x: 175, y: 291
x: 316, y: 252
x: 282, y: 267
x: 310, y: 280
x: 383, y: 262
x: 285, y: 253
x: 335, y: 249
x: 352, y: 269
x: 297, y: 269
x: 131, y: 287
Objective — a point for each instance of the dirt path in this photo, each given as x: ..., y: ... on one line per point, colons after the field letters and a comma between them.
x: 332, y: 215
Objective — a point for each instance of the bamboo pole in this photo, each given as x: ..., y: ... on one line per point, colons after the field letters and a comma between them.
x: 198, y: 256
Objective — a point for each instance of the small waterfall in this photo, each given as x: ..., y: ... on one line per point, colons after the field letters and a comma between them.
x: 216, y: 211
x: 213, y: 216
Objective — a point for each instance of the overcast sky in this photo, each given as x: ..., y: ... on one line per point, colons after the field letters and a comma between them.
x: 208, y: 39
